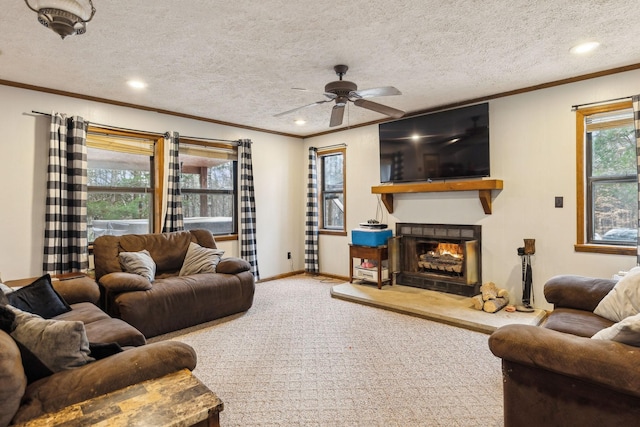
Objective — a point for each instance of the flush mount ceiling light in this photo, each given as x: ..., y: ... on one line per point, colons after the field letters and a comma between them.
x: 65, y: 17
x: 583, y: 48
x: 137, y: 84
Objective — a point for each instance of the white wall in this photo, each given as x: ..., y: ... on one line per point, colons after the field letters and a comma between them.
x: 533, y: 152
x: 23, y: 154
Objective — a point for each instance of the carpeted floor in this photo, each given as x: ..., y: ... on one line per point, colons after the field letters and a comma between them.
x: 301, y: 358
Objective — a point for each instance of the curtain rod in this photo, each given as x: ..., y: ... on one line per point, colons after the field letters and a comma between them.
x: 331, y: 146
x: 165, y: 134
x: 578, y: 106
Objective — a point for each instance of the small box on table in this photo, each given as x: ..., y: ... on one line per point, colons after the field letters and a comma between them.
x: 364, y: 237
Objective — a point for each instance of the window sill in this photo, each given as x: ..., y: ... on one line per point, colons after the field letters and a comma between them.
x: 225, y: 237
x: 333, y: 232
x: 606, y: 249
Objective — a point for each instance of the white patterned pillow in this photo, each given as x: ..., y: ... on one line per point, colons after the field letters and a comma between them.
x: 627, y: 331
x: 138, y: 263
x: 200, y: 260
x: 623, y: 300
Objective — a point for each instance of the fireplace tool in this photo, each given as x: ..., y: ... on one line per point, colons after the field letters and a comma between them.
x: 527, y: 275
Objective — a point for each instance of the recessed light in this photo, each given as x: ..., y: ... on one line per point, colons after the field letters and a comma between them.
x: 137, y: 84
x: 300, y: 122
x: 583, y: 48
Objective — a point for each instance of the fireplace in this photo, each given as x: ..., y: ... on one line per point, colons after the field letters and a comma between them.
x: 438, y: 257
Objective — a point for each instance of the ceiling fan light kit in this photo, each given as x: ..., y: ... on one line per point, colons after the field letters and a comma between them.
x: 65, y: 17
x: 342, y: 91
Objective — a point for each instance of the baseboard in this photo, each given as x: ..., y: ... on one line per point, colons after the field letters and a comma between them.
x: 295, y: 273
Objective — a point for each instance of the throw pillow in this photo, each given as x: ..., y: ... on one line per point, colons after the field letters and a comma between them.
x: 7, y: 319
x: 627, y: 331
x: 623, y: 300
x: 39, y: 298
x: 5, y: 289
x: 200, y: 260
x: 33, y: 367
x: 58, y: 344
x: 138, y: 263
x: 101, y: 350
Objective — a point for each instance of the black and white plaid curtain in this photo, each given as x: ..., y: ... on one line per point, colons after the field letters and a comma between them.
x: 311, y: 235
x: 248, y: 249
x: 172, y: 205
x: 65, y: 236
x: 636, y: 121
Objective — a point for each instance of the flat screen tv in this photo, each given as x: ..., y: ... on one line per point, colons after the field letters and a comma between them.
x: 445, y: 145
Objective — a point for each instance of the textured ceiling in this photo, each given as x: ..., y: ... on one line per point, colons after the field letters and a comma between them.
x: 237, y: 62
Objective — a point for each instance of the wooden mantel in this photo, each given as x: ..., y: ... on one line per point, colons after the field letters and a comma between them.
x: 482, y: 186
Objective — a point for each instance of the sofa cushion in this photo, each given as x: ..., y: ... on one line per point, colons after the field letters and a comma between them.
x: 626, y: 331
x: 12, y: 379
x: 139, y: 263
x: 59, y: 344
x: 125, y: 282
x: 576, y: 322
x: 200, y: 260
x: 167, y: 249
x: 101, y: 328
x: 39, y: 298
x: 623, y: 300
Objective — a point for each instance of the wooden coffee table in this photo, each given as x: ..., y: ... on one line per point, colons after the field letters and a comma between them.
x: 175, y: 400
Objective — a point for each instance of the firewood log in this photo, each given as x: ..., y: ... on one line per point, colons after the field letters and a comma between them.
x: 494, y: 305
x: 489, y: 291
x: 503, y: 293
x: 477, y: 302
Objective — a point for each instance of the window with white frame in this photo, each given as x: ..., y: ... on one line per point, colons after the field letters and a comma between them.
x: 608, y: 189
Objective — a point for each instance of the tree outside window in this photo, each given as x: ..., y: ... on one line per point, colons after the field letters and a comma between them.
x: 332, y: 190
x: 208, y: 182
x: 120, y: 193
x: 609, y: 205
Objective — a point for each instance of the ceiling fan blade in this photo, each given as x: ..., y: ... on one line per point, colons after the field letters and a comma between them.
x: 375, y: 91
x: 379, y: 108
x: 329, y: 95
x: 300, y: 108
x: 336, y: 115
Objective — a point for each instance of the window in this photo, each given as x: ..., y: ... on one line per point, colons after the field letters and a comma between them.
x: 607, y: 179
x: 124, y: 191
x: 120, y: 183
x: 208, y: 182
x: 332, y: 191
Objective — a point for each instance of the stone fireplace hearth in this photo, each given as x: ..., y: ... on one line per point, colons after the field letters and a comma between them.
x: 438, y: 257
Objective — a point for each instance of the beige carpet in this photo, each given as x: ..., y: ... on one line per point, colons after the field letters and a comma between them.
x: 301, y: 358
x: 453, y: 309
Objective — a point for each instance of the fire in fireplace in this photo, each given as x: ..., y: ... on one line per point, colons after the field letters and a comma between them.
x: 438, y: 257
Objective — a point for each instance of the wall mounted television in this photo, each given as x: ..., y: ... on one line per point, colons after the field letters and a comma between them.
x: 451, y: 144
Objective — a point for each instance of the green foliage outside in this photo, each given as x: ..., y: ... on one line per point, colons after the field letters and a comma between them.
x: 614, y: 178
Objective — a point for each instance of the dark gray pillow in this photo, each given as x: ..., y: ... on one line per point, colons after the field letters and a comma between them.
x: 58, y: 344
x: 39, y: 298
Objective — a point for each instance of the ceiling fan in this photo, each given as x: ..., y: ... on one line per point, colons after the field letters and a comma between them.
x: 343, y: 91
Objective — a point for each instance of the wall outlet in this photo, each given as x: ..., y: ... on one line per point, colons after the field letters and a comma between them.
x: 288, y: 255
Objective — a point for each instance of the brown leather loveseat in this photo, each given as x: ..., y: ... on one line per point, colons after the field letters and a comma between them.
x: 27, y: 393
x: 170, y: 301
x: 557, y: 375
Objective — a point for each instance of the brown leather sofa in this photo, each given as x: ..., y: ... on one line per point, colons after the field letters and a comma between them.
x: 556, y: 375
x: 170, y: 302
x: 20, y: 402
